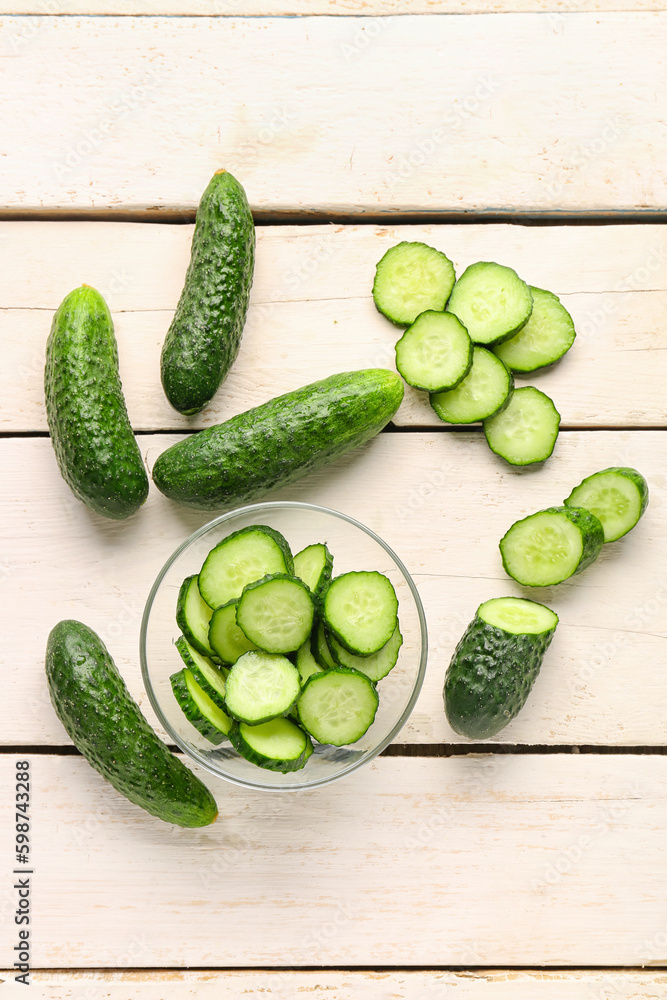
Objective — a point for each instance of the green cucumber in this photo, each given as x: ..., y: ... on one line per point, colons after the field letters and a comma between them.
x: 495, y: 665
x: 104, y: 722
x: 526, y: 430
x: 205, y: 334
x: 306, y: 663
x: 95, y: 447
x: 278, y: 745
x: 314, y: 566
x: 337, y: 706
x: 552, y: 545
x: 276, y: 443
x: 209, y: 677
x: 617, y: 496
x: 260, y: 687
x: 435, y: 353
x: 485, y: 391
x: 411, y: 278
x: 377, y: 665
x: 201, y: 711
x: 543, y: 340
x: 276, y: 613
x: 360, y: 610
x: 193, y: 616
x: 225, y: 636
x: 319, y: 644
x: 492, y: 302
x: 242, y: 558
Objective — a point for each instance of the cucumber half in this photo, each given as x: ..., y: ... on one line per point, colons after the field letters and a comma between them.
x: 617, y: 496
x: 435, y: 353
x: 242, y: 558
x: 193, y: 615
x: 314, y: 566
x: 278, y: 745
x: 337, y: 706
x: 495, y: 665
x: 551, y: 545
x: 276, y: 613
x: 260, y: 687
x: 377, y: 665
x: 525, y: 431
x: 546, y: 337
x: 492, y: 302
x: 360, y: 610
x: 209, y: 677
x: 485, y: 391
x: 198, y: 708
x: 411, y: 278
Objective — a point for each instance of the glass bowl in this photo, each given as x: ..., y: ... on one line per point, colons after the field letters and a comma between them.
x: 354, y: 547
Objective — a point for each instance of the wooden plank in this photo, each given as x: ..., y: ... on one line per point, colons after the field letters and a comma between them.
x: 441, y: 501
x: 168, y: 100
x: 459, y: 861
x: 400, y: 985
x: 312, y: 313
x: 371, y: 9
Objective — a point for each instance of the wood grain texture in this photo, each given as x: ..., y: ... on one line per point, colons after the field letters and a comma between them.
x: 462, y: 861
x: 554, y: 114
x: 397, y: 985
x: 312, y: 313
x: 442, y: 501
x: 370, y: 9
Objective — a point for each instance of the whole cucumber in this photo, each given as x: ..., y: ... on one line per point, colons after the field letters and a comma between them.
x: 275, y: 443
x: 94, y: 444
x: 205, y: 334
x: 106, y: 725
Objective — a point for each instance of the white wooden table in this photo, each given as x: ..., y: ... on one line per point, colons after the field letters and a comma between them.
x: 531, y: 132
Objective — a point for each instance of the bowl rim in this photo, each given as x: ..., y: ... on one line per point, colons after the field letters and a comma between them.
x: 197, y: 755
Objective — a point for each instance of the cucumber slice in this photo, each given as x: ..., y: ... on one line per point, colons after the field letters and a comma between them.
x: 617, y: 496
x: 338, y: 706
x: 276, y: 613
x: 314, y: 566
x: 492, y: 302
x: 375, y: 666
x: 485, y: 391
x: 260, y: 687
x: 306, y: 663
x: 320, y: 648
x: 411, y: 278
x: 551, y: 546
x: 545, y: 338
x: 198, y: 708
x: 435, y: 353
x: 279, y: 745
x: 495, y: 665
x: 360, y: 610
x: 224, y: 635
x: 525, y: 431
x: 209, y: 678
x: 240, y: 559
x: 193, y: 615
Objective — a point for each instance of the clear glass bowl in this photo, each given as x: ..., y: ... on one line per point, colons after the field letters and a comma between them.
x: 354, y: 547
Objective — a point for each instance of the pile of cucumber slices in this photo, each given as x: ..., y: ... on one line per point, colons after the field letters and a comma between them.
x: 467, y: 338
x: 277, y: 653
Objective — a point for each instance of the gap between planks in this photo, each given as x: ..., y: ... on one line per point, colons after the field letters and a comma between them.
x: 406, y: 750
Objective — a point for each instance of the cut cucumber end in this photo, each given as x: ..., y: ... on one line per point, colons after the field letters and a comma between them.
x: 526, y: 430
x: 492, y: 302
x: 411, y: 278
x: 552, y: 545
x: 548, y: 335
x: 617, y: 496
x: 517, y: 615
x: 485, y: 391
x: 435, y: 353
